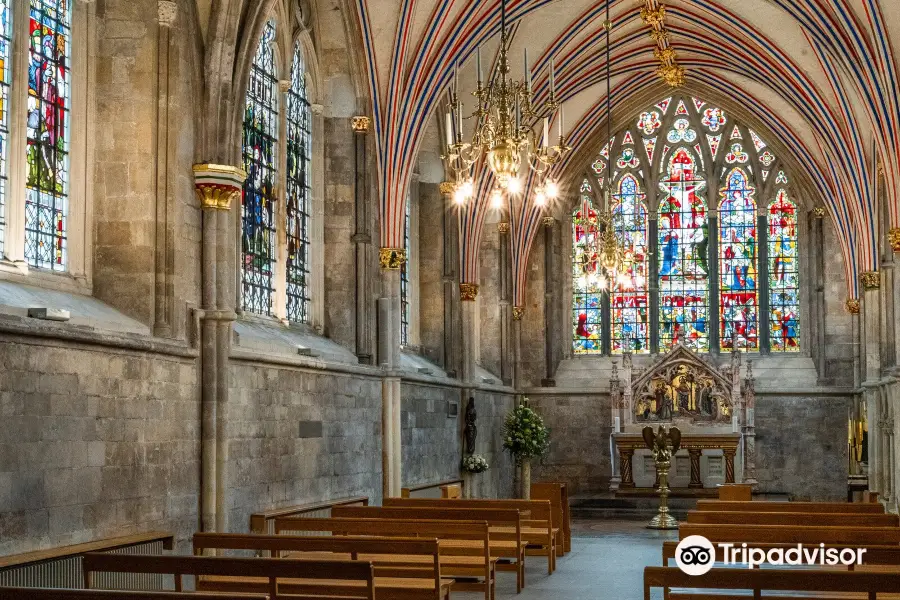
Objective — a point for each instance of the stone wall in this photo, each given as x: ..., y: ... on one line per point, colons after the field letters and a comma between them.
x: 839, y: 348
x: 94, y: 443
x: 801, y: 446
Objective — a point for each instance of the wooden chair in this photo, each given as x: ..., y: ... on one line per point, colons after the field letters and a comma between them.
x: 793, y: 518
x: 405, y: 568
x: 807, y: 507
x: 769, y: 580
x: 539, y: 529
x: 285, y: 578
x: 513, y: 550
x: 464, y: 549
x: 28, y: 593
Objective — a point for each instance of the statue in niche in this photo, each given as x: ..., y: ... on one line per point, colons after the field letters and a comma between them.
x: 471, y: 431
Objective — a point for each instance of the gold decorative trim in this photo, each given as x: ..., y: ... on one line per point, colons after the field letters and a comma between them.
x: 549, y: 221
x: 447, y: 188
x: 819, y: 212
x: 518, y: 313
x: 217, y: 186
x: 360, y: 124
x: 503, y: 227
x: 672, y: 74
x: 853, y: 306
x: 468, y: 292
x: 392, y: 259
x: 894, y: 239
x: 871, y: 280
x: 654, y: 18
x: 653, y: 14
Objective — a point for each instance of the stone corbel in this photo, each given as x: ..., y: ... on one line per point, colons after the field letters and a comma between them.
x: 218, y: 185
x: 360, y: 124
x: 392, y: 259
x: 894, y: 239
x: 853, y: 306
x: 468, y: 292
x: 167, y: 12
x: 871, y: 280
x: 518, y: 313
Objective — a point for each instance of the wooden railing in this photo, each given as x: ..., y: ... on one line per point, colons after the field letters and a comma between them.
x: 61, y: 567
x: 263, y: 522
x: 432, y: 490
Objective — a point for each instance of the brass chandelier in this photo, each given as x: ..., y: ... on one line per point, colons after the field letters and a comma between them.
x: 504, y: 135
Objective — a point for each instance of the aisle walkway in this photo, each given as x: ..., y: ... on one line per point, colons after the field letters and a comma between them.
x: 606, y: 563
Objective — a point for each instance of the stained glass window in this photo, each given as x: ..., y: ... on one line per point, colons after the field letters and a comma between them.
x: 784, y: 278
x: 587, y: 293
x: 738, y: 306
x: 260, y: 149
x: 47, y: 180
x: 404, y: 282
x: 5, y: 51
x: 630, y: 302
x: 683, y: 256
x: 298, y: 185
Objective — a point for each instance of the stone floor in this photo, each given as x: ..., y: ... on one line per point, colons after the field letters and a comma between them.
x: 607, y: 562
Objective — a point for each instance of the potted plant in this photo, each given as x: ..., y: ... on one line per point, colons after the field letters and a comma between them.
x: 526, y: 437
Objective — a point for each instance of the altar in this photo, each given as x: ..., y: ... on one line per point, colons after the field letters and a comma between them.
x: 711, y: 405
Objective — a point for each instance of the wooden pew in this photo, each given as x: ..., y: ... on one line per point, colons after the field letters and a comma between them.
x: 793, y: 518
x: 469, y: 557
x: 770, y: 580
x: 405, y: 568
x: 261, y: 522
x: 792, y: 534
x: 539, y: 529
x: 807, y: 507
x: 558, y: 495
x: 286, y: 578
x: 28, y: 593
x: 508, y: 549
x: 874, y: 555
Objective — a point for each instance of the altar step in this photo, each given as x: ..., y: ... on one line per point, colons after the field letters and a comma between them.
x: 609, y: 506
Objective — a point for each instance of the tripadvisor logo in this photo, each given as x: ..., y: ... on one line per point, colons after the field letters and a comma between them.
x: 695, y: 555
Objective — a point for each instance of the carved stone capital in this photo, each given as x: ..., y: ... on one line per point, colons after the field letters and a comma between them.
x: 447, y: 188
x: 468, y: 292
x: 217, y: 186
x: 871, y: 280
x: 853, y: 306
x: 819, y: 212
x: 284, y: 85
x: 518, y: 313
x: 548, y: 221
x: 503, y: 227
x: 894, y: 239
x: 360, y: 124
x: 392, y: 259
x: 167, y: 12
x: 317, y: 109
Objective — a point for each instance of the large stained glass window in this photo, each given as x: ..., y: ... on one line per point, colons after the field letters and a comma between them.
x: 404, y: 280
x: 260, y: 149
x: 629, y: 303
x: 738, y: 297
x: 587, y: 292
x: 784, y: 278
x: 298, y: 185
x: 5, y: 54
x: 47, y: 180
x: 683, y: 255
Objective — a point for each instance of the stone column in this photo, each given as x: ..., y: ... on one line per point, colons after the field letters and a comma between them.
x: 653, y: 232
x: 362, y: 237
x: 216, y: 186
x: 818, y: 251
x: 165, y: 212
x: 625, y: 463
x: 468, y: 293
x: 871, y: 326
x: 696, y: 482
x: 894, y: 292
x: 518, y: 314
x: 452, y: 320
x: 391, y: 260
x: 506, y: 367
x: 551, y: 293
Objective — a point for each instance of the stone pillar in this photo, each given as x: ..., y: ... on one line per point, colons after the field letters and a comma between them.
x: 818, y: 251
x: 164, y: 291
x: 391, y: 260
x: 696, y: 482
x: 871, y: 326
x: 216, y: 186
x: 893, y: 290
x: 506, y: 367
x: 518, y: 314
x: 452, y: 320
x: 362, y: 237
x: 468, y: 294
x: 551, y: 293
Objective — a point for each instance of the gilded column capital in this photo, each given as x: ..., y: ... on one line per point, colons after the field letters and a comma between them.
x: 894, y: 239
x: 360, y: 124
x: 853, y: 306
x: 217, y: 186
x: 819, y: 212
x: 447, y: 188
x: 518, y: 313
x: 549, y: 221
x: 503, y: 227
x: 871, y: 280
x: 468, y: 292
x: 392, y: 259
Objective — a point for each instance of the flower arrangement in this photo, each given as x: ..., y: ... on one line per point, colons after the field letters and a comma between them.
x: 475, y: 463
x: 524, y: 433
